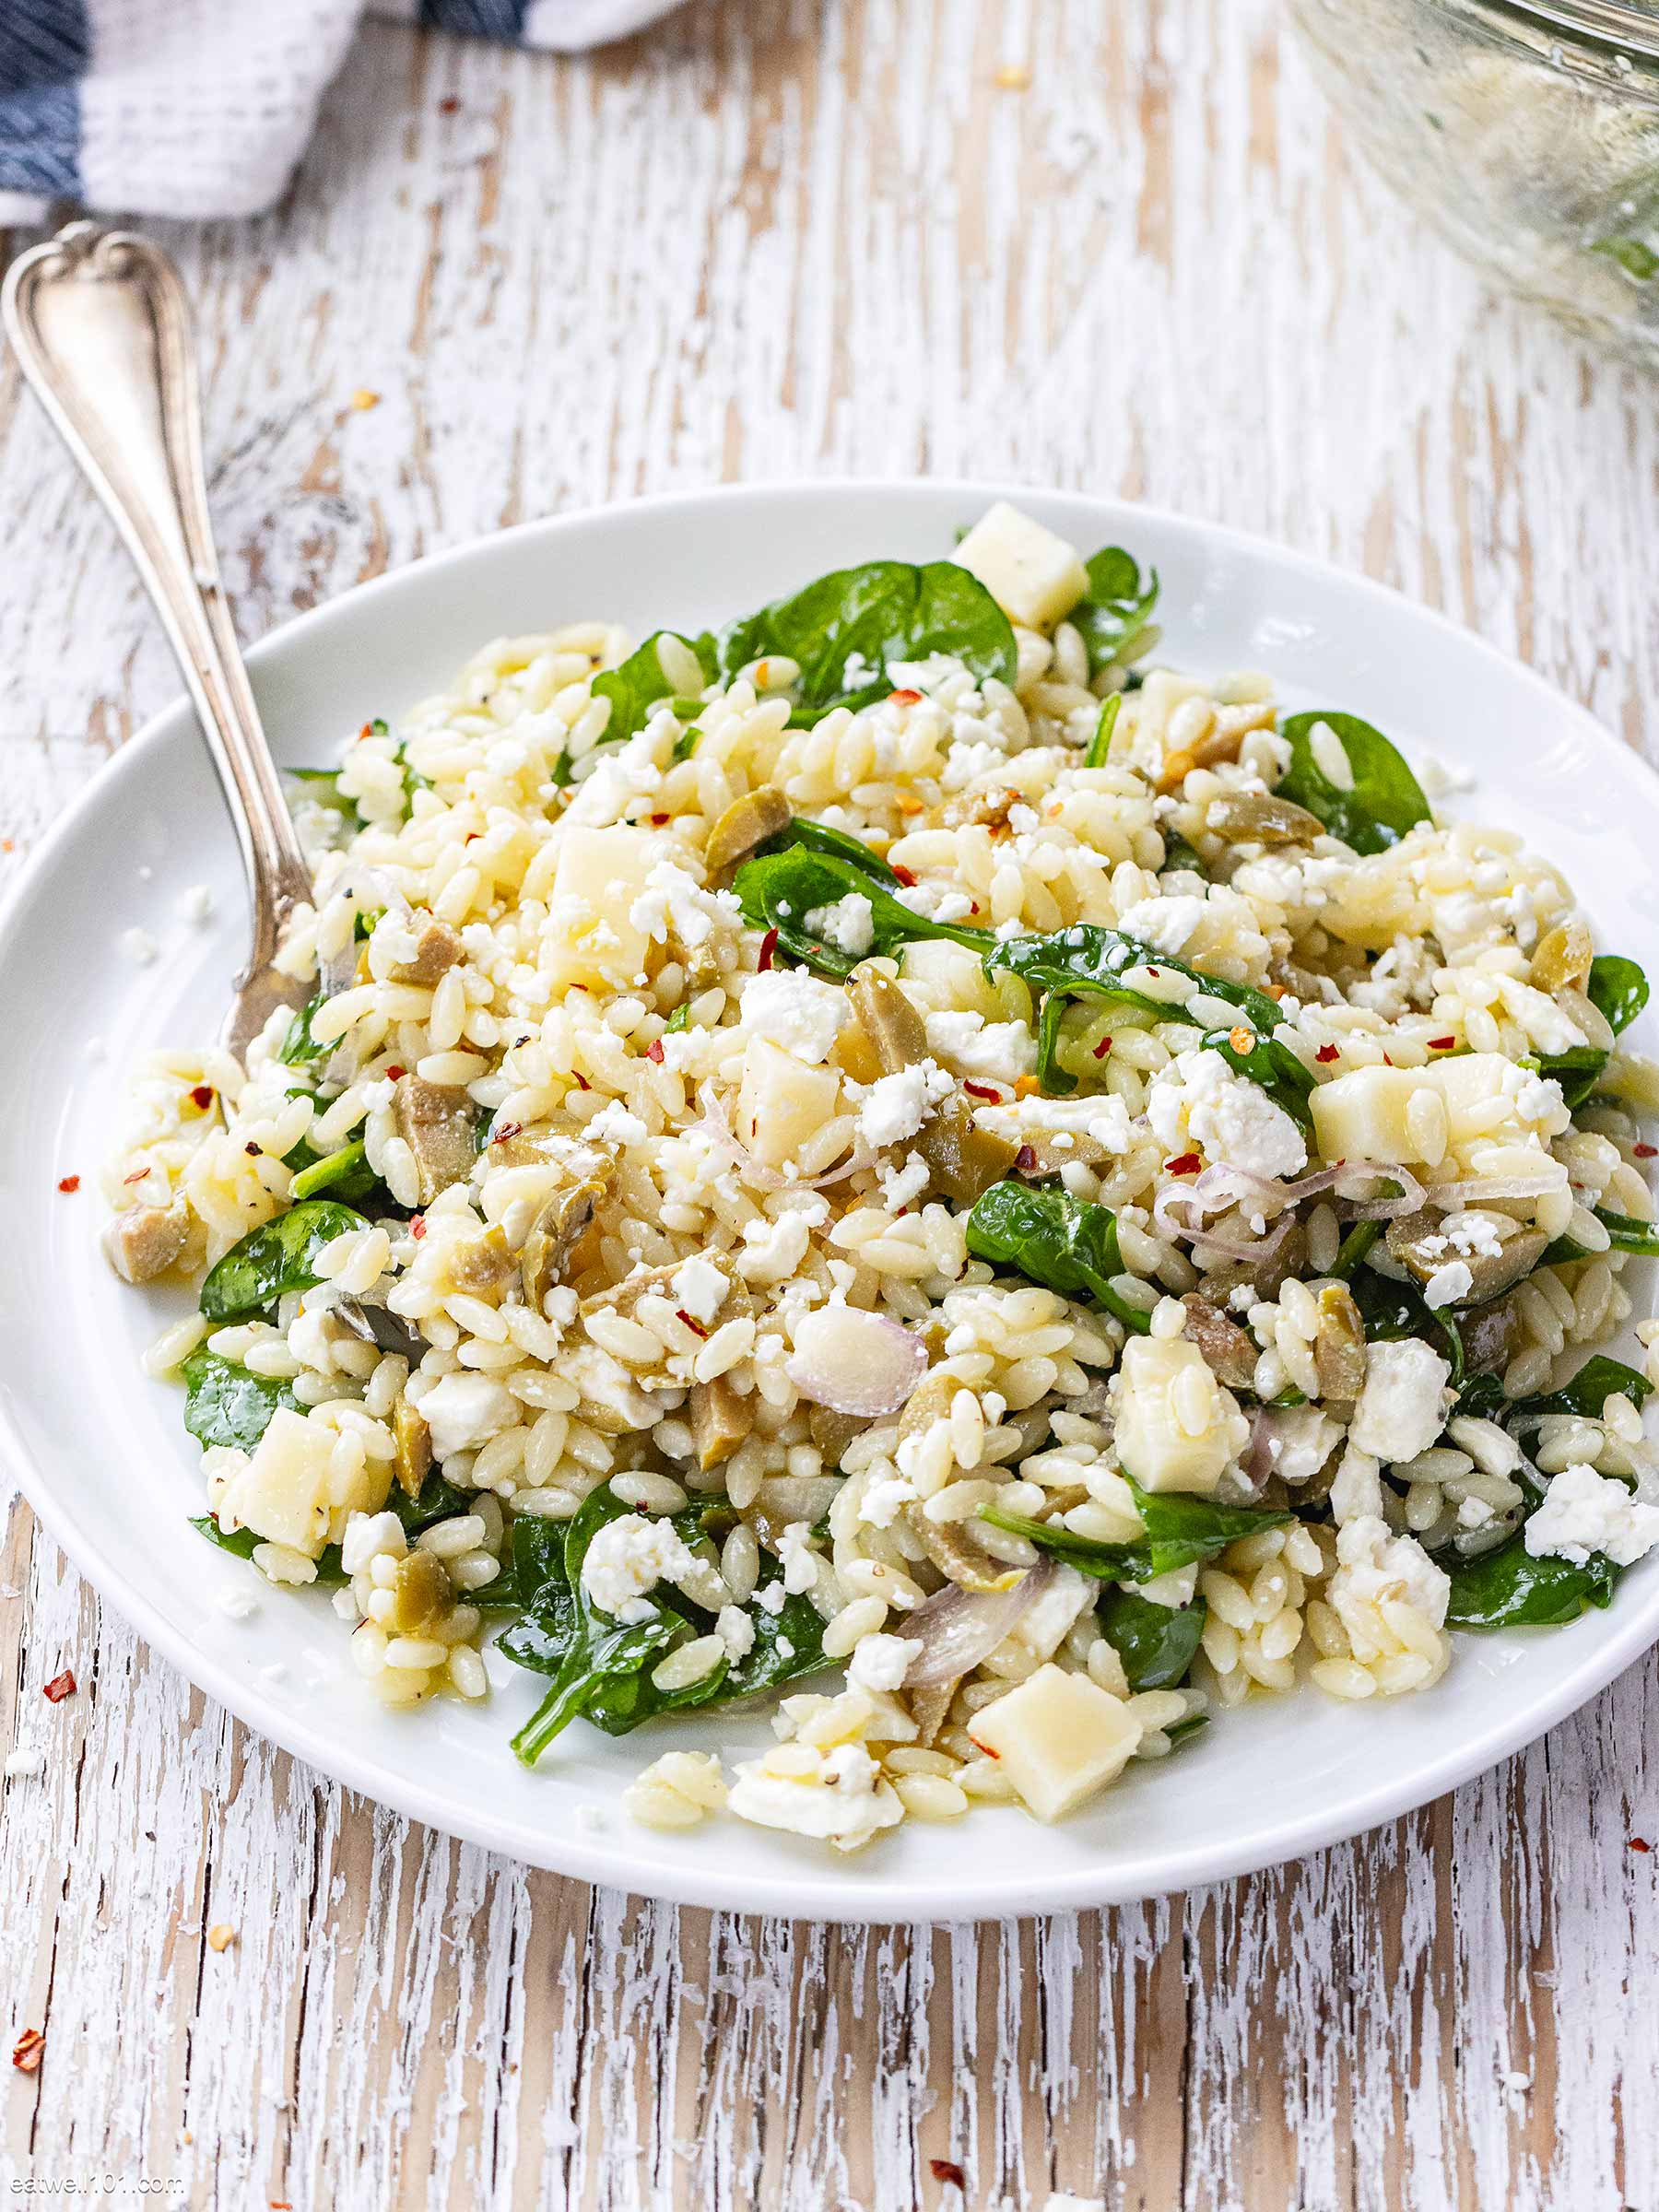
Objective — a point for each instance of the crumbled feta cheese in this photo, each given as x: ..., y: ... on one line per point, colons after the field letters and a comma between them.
x: 895, y: 1106
x: 1373, y: 1565
x: 1585, y: 1513
x: 796, y: 1011
x: 1100, y: 1115
x: 1164, y: 924
x: 881, y: 1661
x: 773, y: 1249
x: 614, y: 1124
x: 1198, y: 1103
x: 735, y: 1631
x: 1300, y: 1440
x: 627, y: 1558
x: 849, y: 924
x: 900, y: 1185
x: 799, y: 1560
x: 673, y: 904
x: 978, y: 1047
x: 884, y: 1500
x: 1447, y: 1285
x: 195, y: 905
x: 23, y: 1765
x: 1401, y: 1408
x: 462, y: 1410
x: 701, y: 1288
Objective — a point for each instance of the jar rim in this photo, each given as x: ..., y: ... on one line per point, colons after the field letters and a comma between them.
x: 1631, y: 25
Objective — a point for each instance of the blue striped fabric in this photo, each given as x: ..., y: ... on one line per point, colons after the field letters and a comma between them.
x: 45, y: 49
x: 479, y: 19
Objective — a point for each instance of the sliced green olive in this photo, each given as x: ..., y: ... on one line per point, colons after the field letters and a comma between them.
x: 1339, y: 1347
x: 1563, y: 957
x: 1254, y: 818
x: 888, y: 1018
x: 1229, y: 1352
x: 422, y: 1594
x: 721, y: 1418
x: 554, y: 1235
x: 745, y: 823
x: 436, y: 1121
x: 413, y: 1440
x: 1419, y: 1245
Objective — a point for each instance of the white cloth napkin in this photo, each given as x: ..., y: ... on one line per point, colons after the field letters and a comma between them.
x: 198, y: 107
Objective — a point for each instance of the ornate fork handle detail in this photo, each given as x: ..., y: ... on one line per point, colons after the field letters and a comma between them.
x: 101, y: 328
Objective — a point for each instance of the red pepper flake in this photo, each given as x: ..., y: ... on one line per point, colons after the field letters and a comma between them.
x: 1442, y: 1044
x: 28, y: 2051
x: 768, y: 946
x: 905, y: 876
x: 417, y: 1225
x: 690, y: 1321
x: 59, y: 1687
x: 508, y: 1129
x: 657, y: 820
x: 947, y: 2170
x: 367, y: 731
x: 1640, y: 1843
x: 1151, y: 972
x: 1024, y: 1159
x: 1188, y: 1164
x: 582, y: 1081
x: 252, y: 1150
x: 1102, y: 1049
x: 201, y: 1096
x: 138, y: 1175
x: 448, y: 105
x: 1326, y: 1053
x: 653, y: 1051
x: 907, y: 698
x: 1646, y: 1152
x: 1386, y: 1061
x: 983, y: 1091
x: 396, y: 1074
x: 69, y: 1184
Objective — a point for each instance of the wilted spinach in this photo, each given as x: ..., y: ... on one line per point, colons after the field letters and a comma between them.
x: 1617, y: 989
x: 636, y: 686
x: 272, y: 1261
x: 845, y: 629
x: 226, y: 1403
x: 241, y: 1544
x: 1068, y: 1244
x: 1385, y: 800
x: 1099, y: 744
x: 1180, y: 1530
x: 780, y: 889
x: 1156, y: 1643
x: 818, y: 837
x: 1115, y: 612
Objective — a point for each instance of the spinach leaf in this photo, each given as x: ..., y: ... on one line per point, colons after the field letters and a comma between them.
x: 1355, y: 1245
x: 818, y: 837
x: 780, y: 889
x: 1385, y: 801
x: 1156, y: 1643
x: 272, y: 1261
x: 635, y: 686
x: 1181, y: 857
x: 845, y: 629
x: 226, y: 1403
x: 299, y: 1048
x: 1634, y: 256
x: 1274, y: 1066
x: 1625, y: 1233
x: 685, y: 745
x: 333, y: 1172
x: 680, y: 1020
x: 1184, y: 1731
x: 1089, y: 961
x: 241, y: 1543
x: 1392, y: 1310
x: 1099, y: 744
x: 439, y: 1500
x: 1598, y: 1380
x: 1508, y: 1588
x: 1115, y: 614
x: 1179, y: 1531
x: 1068, y: 1244
x: 1617, y: 989
x: 601, y: 1667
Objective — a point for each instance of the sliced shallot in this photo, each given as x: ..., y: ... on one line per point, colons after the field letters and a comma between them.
x: 956, y: 1628
x: 855, y: 1363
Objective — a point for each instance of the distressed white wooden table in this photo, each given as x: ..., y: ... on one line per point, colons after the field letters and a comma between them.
x: 781, y: 238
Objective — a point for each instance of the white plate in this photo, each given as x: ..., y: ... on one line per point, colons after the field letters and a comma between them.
x: 101, y: 1451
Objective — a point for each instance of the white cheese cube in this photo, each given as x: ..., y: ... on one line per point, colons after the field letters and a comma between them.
x: 1488, y: 1099
x: 781, y: 1101
x: 283, y: 1492
x: 1387, y: 1115
x: 1058, y: 1737
x: 1033, y: 576
x: 1177, y: 1428
x: 594, y: 939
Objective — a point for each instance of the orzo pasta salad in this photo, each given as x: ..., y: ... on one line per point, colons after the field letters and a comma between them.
x: 906, y: 1162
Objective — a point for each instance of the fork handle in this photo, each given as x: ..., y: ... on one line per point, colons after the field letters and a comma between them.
x: 101, y: 328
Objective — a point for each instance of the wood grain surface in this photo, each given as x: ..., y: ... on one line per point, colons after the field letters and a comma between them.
x: 780, y: 238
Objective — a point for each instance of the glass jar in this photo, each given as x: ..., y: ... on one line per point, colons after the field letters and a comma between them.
x: 1526, y: 130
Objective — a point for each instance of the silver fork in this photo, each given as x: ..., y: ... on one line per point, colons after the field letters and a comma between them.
x: 100, y: 324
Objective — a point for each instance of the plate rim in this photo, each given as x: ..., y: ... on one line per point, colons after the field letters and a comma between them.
x: 794, y: 1892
